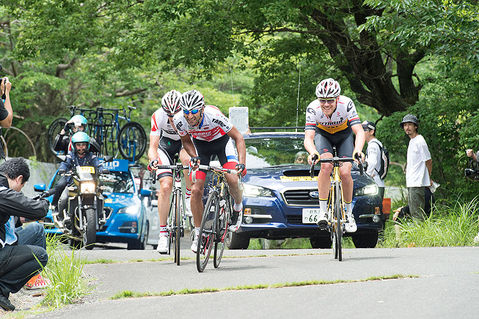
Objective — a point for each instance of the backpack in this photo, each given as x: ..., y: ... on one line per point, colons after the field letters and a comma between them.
x: 383, y: 171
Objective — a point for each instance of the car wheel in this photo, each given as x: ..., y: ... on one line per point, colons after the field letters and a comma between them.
x: 320, y: 242
x: 237, y: 241
x: 366, y: 239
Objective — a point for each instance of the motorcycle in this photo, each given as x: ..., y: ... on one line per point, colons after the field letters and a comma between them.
x: 83, y: 215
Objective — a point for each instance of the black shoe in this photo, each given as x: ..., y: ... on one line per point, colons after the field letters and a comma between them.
x: 323, y: 224
x: 6, y: 304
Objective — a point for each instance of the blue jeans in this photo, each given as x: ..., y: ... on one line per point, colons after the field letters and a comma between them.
x: 31, y: 234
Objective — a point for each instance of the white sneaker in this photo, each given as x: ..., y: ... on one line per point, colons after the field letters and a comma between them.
x: 194, y: 244
x: 188, y: 207
x: 163, y: 242
x: 350, y: 225
x: 323, y: 220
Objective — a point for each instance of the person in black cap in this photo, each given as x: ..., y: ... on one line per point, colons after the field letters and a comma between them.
x: 373, y: 155
x: 418, y: 167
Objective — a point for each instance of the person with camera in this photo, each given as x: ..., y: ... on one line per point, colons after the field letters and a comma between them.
x: 18, y: 261
x: 78, y: 123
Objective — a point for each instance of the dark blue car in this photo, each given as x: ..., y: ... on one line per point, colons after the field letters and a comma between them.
x: 280, y: 198
x: 126, y: 215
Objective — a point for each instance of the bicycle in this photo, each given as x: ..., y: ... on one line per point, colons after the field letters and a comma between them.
x: 336, y: 212
x: 176, y: 215
x: 216, y: 218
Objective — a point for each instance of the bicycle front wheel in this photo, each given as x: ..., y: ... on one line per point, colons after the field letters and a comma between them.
x: 338, y: 230
x: 221, y: 232
x: 206, y: 237
x: 177, y: 225
x: 53, y: 130
x: 132, y: 141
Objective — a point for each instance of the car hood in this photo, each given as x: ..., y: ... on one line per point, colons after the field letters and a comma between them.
x: 292, y: 176
x: 119, y: 200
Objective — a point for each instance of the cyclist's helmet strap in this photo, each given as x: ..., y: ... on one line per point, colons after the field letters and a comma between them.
x: 81, y: 137
x: 171, y: 102
x: 192, y: 100
x: 328, y: 88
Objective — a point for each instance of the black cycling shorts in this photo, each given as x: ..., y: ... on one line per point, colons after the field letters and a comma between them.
x: 344, y: 143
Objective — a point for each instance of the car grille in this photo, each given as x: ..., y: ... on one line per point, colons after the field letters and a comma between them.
x: 300, y: 197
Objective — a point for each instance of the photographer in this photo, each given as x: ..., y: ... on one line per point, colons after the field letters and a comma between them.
x: 78, y: 123
x: 18, y: 262
x: 6, y: 112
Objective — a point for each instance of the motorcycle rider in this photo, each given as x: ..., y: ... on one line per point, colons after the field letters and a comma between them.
x: 78, y: 123
x: 79, y: 156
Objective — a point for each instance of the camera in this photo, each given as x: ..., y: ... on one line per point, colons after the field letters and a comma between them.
x: 471, y: 173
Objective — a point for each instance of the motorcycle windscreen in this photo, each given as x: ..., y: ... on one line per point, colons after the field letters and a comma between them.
x: 85, y: 173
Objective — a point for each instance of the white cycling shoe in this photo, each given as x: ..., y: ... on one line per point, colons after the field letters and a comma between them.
x: 323, y: 220
x: 350, y: 225
x: 194, y: 244
x: 163, y: 246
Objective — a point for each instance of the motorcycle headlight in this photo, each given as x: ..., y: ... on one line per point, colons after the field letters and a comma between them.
x: 87, y: 188
x: 256, y: 191
x: 130, y: 210
x: 371, y: 189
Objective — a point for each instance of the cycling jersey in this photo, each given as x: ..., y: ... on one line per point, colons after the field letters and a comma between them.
x: 340, y: 121
x: 213, y: 125
x: 160, y: 125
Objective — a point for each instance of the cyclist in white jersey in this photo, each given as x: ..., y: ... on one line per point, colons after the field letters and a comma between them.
x: 330, y: 121
x: 165, y: 147
x: 206, y: 132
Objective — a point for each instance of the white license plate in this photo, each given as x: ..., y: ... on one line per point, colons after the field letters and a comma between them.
x: 310, y: 215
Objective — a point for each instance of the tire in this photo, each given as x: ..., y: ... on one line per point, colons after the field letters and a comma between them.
x: 177, y: 226
x: 89, y: 237
x: 221, y: 232
x: 132, y: 141
x: 53, y: 130
x: 237, y: 241
x: 338, y: 231
x: 207, y: 231
x: 366, y: 239
x: 320, y: 242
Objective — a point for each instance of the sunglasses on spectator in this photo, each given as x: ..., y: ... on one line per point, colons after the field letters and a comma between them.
x: 192, y: 111
x: 329, y: 101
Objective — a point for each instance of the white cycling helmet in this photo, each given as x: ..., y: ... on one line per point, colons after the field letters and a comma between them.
x: 328, y: 88
x: 171, y: 102
x: 192, y: 100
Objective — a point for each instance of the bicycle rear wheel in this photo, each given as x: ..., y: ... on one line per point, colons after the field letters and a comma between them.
x: 206, y: 237
x: 132, y: 141
x: 177, y: 226
x: 53, y: 130
x: 221, y: 232
x: 338, y: 231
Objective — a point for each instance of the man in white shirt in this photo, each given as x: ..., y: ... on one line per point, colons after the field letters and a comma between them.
x: 419, y: 166
x: 373, y: 156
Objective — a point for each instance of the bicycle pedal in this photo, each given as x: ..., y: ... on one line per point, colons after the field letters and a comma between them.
x: 323, y: 225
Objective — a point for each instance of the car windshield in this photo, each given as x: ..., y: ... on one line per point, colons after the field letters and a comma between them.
x: 117, y: 182
x: 273, y: 151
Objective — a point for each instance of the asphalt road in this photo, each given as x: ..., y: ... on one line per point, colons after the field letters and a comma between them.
x: 443, y: 283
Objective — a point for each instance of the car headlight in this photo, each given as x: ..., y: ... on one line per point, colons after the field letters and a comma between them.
x: 256, y: 191
x: 87, y: 187
x: 131, y: 210
x: 371, y: 189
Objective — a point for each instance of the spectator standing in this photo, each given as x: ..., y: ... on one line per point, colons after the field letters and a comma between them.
x: 373, y: 155
x: 18, y: 263
x: 418, y: 167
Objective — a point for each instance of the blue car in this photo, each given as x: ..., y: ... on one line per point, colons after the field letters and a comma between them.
x: 279, y: 195
x: 126, y: 214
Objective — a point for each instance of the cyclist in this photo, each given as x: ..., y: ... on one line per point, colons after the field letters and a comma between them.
x: 330, y: 121
x: 206, y: 132
x: 165, y: 146
x: 78, y: 123
x: 81, y: 156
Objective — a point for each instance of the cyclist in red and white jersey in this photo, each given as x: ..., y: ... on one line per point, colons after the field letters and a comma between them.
x: 165, y: 147
x: 206, y: 132
x: 331, y: 121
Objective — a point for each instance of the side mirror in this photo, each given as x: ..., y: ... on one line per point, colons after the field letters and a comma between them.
x: 40, y: 187
x: 145, y: 192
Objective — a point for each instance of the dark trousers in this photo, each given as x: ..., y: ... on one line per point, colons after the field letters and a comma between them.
x: 19, y: 263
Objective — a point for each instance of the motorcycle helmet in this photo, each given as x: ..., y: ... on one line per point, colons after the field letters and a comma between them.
x: 81, y: 137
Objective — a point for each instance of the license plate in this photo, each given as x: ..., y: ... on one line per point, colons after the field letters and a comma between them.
x: 310, y: 215
x: 86, y: 169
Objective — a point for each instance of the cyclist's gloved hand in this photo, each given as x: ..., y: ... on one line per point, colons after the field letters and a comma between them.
x: 241, y: 168
x: 313, y: 158
x: 152, y: 165
x: 194, y: 161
